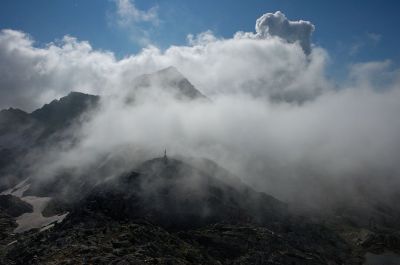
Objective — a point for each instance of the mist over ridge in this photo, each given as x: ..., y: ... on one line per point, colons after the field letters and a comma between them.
x: 273, y: 118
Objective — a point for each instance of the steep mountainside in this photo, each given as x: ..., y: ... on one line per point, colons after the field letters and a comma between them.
x: 22, y: 133
x: 168, y: 212
x: 173, y: 194
x: 60, y: 113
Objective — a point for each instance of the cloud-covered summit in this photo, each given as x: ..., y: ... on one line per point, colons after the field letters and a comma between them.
x: 276, y: 24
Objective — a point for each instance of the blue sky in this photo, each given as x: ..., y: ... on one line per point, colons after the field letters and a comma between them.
x: 352, y: 31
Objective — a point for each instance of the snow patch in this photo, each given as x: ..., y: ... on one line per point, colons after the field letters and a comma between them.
x: 13, y: 242
x: 34, y: 219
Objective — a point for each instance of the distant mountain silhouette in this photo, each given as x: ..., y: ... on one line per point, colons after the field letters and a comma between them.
x: 46, y: 120
x: 170, y: 80
x: 59, y: 113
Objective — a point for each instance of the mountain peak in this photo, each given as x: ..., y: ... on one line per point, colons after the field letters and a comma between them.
x: 171, y: 71
x: 169, y: 79
x: 59, y: 112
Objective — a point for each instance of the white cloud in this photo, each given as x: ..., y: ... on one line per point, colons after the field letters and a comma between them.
x: 270, y: 68
x: 129, y: 14
x: 276, y: 24
x: 202, y: 38
x: 31, y: 76
x: 138, y: 23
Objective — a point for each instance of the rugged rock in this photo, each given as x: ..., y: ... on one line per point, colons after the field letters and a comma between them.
x: 14, y: 206
x: 174, y: 194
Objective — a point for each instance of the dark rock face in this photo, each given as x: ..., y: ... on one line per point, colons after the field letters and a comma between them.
x: 96, y: 239
x: 104, y: 241
x: 21, y: 132
x: 60, y: 113
x: 168, y: 212
x: 249, y: 244
x: 175, y: 195
x: 14, y: 206
x: 17, y: 126
x: 7, y: 226
x: 12, y: 117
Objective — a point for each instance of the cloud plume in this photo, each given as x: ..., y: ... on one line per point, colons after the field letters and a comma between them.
x: 276, y: 24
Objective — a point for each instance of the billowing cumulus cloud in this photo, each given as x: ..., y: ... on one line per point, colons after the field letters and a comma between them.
x: 273, y: 119
x: 270, y: 68
x: 31, y: 76
x: 276, y: 24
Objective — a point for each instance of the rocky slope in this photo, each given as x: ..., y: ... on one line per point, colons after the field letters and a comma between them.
x: 168, y: 212
x: 14, y: 206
